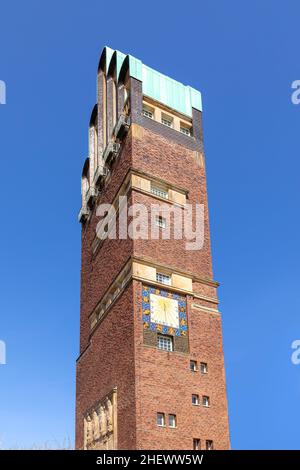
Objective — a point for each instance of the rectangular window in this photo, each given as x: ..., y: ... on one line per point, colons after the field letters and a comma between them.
x: 209, y: 445
x: 185, y: 130
x: 195, y: 399
x: 147, y: 111
x: 163, y: 278
x: 203, y: 368
x: 172, y: 421
x: 205, y: 401
x: 160, y: 221
x: 193, y: 366
x: 166, y: 120
x: 165, y: 342
x: 160, y: 419
x: 160, y: 192
x: 196, y: 444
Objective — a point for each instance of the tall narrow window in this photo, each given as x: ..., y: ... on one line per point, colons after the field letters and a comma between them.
x: 203, y: 368
x: 96, y: 144
x: 104, y: 111
x: 160, y: 419
x: 196, y: 444
x: 193, y: 366
x: 205, y: 401
x: 209, y: 445
x: 172, y: 421
x: 126, y: 107
x: 195, y: 399
x: 115, y: 106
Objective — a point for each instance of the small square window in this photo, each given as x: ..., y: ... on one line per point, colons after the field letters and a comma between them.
x: 147, y: 111
x: 203, y: 367
x: 193, y: 366
x: 160, y: 221
x: 196, y: 444
x: 160, y: 419
x: 163, y: 278
x: 185, y: 130
x: 165, y: 342
x: 166, y: 120
x: 195, y: 399
x: 160, y: 192
x: 205, y: 401
x: 209, y: 445
x: 172, y: 421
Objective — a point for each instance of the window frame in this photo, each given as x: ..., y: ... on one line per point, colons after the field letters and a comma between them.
x: 164, y: 339
x: 196, y: 443
x: 160, y: 276
x: 160, y: 221
x: 209, y: 444
x: 194, y: 369
x: 163, y: 416
x: 197, y: 399
x: 159, y: 191
x: 175, y: 421
x: 205, y: 367
x: 148, y: 109
x: 205, y: 401
x: 168, y: 119
x: 185, y: 129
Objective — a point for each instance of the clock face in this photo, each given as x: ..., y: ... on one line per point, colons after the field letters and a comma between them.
x: 164, y: 310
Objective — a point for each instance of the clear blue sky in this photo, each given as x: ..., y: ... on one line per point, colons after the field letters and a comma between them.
x: 243, y: 57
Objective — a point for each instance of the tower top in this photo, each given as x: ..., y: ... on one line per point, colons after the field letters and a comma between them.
x: 155, y: 85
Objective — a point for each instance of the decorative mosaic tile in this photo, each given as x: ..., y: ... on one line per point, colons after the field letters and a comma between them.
x: 156, y: 326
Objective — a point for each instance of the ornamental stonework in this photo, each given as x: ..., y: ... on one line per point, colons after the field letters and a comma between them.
x: 100, y: 424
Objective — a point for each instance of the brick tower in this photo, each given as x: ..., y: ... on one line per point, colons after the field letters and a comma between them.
x: 150, y: 374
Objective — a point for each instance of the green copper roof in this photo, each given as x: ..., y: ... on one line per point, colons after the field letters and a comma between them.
x: 159, y: 87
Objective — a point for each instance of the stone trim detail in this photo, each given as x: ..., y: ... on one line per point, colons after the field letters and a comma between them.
x: 139, y: 181
x: 150, y: 262
x: 139, y: 270
x: 111, y: 295
x: 206, y: 309
x: 143, y: 272
x: 100, y: 424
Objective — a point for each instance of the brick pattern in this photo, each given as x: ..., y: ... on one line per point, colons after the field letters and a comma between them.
x: 166, y: 384
x: 108, y: 363
x: 120, y: 353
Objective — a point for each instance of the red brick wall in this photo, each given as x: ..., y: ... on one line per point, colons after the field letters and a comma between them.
x: 176, y: 165
x: 97, y: 273
x: 108, y: 363
x: 166, y: 384
x: 148, y: 380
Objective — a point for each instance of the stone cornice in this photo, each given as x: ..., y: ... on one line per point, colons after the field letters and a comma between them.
x: 193, y: 276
